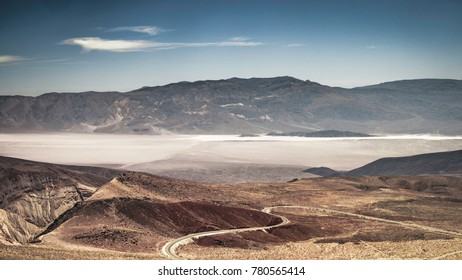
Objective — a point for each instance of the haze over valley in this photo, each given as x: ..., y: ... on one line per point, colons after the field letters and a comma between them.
x: 218, y: 158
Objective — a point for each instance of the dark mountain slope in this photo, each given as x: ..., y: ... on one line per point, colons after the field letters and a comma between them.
x: 322, y: 171
x: 434, y: 163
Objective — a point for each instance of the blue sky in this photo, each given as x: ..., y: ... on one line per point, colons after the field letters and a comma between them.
x: 80, y: 45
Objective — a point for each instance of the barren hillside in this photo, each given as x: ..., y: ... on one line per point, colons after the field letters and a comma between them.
x: 138, y: 213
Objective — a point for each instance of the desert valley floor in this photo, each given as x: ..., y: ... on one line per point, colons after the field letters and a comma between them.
x: 53, y: 211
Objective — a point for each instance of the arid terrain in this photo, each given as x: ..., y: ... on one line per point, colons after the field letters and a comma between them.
x: 231, y: 130
x: 132, y: 215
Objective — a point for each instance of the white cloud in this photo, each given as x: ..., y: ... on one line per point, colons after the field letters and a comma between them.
x: 227, y: 44
x: 99, y: 44
x: 371, y: 47
x: 96, y: 43
x: 239, y: 39
x: 10, y: 58
x: 295, y: 45
x: 150, y: 30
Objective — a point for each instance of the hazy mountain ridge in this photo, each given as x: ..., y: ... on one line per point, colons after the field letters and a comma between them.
x: 433, y: 163
x: 322, y: 133
x: 322, y: 171
x: 255, y: 105
x: 439, y: 163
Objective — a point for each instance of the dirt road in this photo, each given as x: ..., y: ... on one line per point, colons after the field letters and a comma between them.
x: 169, y: 249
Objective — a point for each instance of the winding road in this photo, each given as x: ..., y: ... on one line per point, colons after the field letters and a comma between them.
x: 169, y: 249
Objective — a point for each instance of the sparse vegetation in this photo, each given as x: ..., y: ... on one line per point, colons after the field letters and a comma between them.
x: 309, y: 250
x: 31, y: 252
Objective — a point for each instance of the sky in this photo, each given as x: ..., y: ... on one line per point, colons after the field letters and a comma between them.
x: 73, y: 46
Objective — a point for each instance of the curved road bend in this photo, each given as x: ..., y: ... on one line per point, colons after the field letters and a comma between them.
x: 169, y: 249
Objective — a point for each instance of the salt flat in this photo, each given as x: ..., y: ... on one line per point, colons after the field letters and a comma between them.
x: 195, y: 156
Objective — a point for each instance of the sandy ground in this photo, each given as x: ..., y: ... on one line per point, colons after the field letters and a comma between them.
x: 309, y: 250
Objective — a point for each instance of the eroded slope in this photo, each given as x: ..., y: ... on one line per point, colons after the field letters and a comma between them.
x: 34, y: 194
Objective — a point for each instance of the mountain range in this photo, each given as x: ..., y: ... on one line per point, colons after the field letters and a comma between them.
x: 256, y: 105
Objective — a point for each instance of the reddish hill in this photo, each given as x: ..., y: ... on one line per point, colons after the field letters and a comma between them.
x: 136, y: 225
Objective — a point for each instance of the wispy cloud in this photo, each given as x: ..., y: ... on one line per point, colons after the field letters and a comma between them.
x: 99, y: 44
x: 295, y: 45
x: 239, y: 39
x: 150, y: 30
x: 371, y: 47
x: 96, y: 43
x: 57, y: 60
x: 11, y: 58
